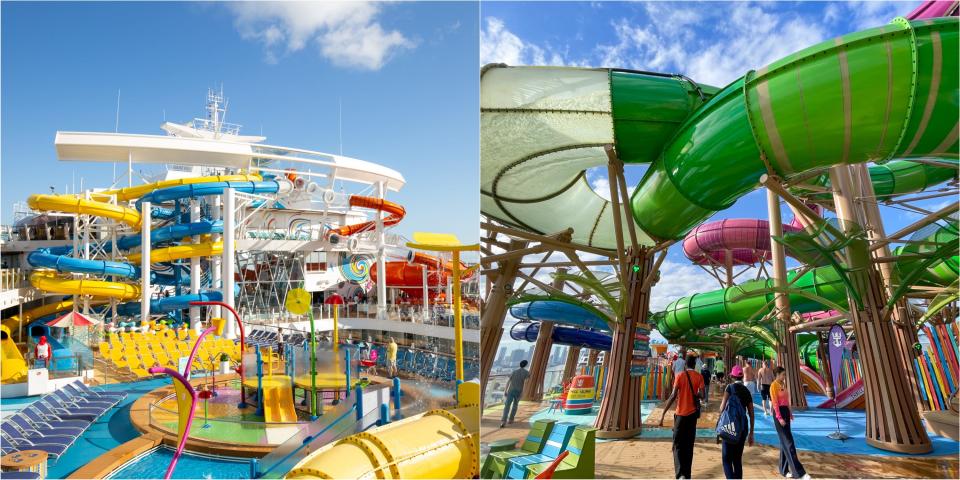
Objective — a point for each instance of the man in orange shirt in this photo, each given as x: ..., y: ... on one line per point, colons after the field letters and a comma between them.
x: 687, y: 392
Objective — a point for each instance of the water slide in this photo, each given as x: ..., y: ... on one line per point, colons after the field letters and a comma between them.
x: 13, y: 368
x: 851, y: 397
x: 812, y: 380
x: 38, y: 312
x: 396, y: 213
x: 168, y: 190
x: 278, y: 399
x: 744, y: 301
x: 571, y: 336
x: 886, y: 93
x: 409, y: 274
x: 435, y: 444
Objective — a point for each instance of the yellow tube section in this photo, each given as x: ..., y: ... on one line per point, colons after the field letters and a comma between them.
x: 435, y: 444
x: 178, y: 252
x: 73, y: 204
x: 48, y: 281
x: 34, y: 313
x: 130, y: 193
x: 13, y: 368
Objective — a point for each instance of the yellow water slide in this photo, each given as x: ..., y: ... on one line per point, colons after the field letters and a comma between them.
x: 278, y: 399
x: 34, y: 313
x: 74, y: 204
x: 179, y: 252
x: 13, y: 368
x: 130, y: 193
x: 48, y: 281
x: 435, y: 444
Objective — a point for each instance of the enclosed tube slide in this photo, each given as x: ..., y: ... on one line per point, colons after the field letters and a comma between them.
x: 395, y: 211
x: 47, y: 281
x: 735, y: 304
x: 408, y: 275
x: 898, y: 81
x: 574, y: 337
x: 559, y: 311
x: 872, y: 96
x: 434, y: 444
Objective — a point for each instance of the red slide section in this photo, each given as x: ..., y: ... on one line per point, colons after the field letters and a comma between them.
x: 813, y: 381
x: 409, y: 275
x: 851, y: 398
x: 396, y: 212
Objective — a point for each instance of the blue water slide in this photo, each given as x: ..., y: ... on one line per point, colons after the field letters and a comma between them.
x: 569, y: 336
x: 63, y: 358
x: 557, y: 311
x: 170, y: 304
x: 56, y: 258
x: 171, y: 233
x: 194, y: 190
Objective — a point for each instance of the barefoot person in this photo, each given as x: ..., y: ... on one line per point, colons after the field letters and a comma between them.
x: 790, y: 465
x: 732, y: 452
x: 687, y: 391
x: 513, y: 391
x: 765, y: 376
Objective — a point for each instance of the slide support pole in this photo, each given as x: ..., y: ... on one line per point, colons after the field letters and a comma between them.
x: 145, y: 220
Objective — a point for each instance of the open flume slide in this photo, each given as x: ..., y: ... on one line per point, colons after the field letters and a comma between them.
x: 278, y: 400
x: 876, y: 95
x: 13, y: 367
x: 851, y: 397
x: 396, y: 213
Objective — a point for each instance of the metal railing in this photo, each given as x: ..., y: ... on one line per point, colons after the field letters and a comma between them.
x: 13, y: 278
x: 440, y: 315
x: 61, y: 366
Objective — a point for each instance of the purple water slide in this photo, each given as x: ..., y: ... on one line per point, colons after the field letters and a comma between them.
x: 747, y: 240
x: 933, y: 9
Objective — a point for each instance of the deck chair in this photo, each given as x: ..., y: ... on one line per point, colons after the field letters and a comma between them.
x: 495, y: 464
x: 579, y: 461
x: 556, y: 443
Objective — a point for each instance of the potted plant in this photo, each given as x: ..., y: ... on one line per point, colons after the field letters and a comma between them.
x: 224, y: 363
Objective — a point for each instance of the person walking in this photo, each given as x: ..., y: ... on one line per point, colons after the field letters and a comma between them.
x: 790, y: 465
x: 731, y: 452
x: 705, y: 372
x: 749, y: 377
x: 513, y: 391
x: 765, y: 377
x: 392, y: 358
x: 687, y: 391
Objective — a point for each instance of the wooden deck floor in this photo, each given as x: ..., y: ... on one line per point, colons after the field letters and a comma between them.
x: 652, y: 458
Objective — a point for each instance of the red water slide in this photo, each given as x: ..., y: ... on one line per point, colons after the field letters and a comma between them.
x: 396, y: 212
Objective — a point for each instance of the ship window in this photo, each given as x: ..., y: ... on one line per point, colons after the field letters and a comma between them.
x: 316, y: 262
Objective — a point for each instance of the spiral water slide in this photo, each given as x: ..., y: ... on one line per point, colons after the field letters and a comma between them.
x: 54, y: 261
x: 395, y: 213
x: 877, y: 95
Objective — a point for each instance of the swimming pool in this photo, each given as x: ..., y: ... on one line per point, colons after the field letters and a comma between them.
x: 153, y: 464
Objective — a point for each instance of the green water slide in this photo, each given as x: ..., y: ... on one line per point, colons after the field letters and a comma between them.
x: 886, y: 95
x: 754, y: 299
x: 883, y: 93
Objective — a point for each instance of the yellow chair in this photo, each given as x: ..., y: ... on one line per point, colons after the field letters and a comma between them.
x: 105, y: 349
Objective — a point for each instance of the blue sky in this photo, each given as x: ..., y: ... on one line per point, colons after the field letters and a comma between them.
x: 406, y: 74
x: 711, y: 42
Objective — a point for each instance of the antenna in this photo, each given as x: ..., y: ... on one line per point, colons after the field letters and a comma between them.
x: 340, y: 123
x: 116, y: 124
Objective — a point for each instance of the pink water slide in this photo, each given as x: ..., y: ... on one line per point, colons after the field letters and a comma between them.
x: 746, y: 239
x: 932, y: 9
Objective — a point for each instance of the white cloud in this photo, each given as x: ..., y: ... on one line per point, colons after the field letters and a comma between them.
x: 348, y: 34
x: 499, y: 45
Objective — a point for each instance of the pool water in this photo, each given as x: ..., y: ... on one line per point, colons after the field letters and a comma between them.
x: 154, y: 464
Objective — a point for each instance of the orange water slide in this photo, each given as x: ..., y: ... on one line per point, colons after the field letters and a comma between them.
x: 396, y: 212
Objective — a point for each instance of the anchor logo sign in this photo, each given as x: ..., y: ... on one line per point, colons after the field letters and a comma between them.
x: 837, y: 338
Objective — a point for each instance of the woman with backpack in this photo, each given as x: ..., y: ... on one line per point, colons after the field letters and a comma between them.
x: 736, y: 406
x: 790, y: 465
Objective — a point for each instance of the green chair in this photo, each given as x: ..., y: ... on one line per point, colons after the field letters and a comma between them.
x: 581, y: 460
x: 494, y: 466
